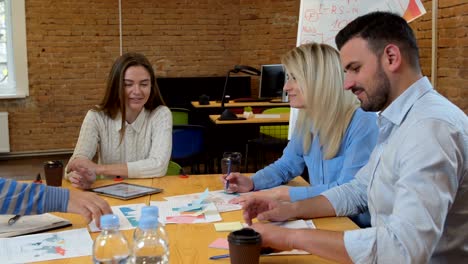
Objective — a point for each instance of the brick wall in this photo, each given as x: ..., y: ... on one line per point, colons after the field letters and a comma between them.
x: 72, y: 44
x: 452, y: 77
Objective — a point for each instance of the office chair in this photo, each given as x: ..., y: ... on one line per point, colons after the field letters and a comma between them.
x: 188, y: 146
x: 173, y: 169
x: 272, y: 140
x: 180, y: 116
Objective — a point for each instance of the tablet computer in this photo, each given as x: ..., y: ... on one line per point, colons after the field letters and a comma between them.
x: 125, y: 191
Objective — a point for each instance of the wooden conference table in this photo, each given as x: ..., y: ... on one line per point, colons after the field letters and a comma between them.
x: 189, y: 242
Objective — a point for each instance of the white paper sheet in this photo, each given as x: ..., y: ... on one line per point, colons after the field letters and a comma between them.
x: 210, y: 213
x: 128, y: 216
x: 220, y: 198
x: 46, y: 246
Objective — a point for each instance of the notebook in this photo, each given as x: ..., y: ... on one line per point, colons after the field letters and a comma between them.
x: 30, y: 224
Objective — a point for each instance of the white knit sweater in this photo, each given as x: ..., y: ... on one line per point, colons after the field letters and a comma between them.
x: 146, y: 146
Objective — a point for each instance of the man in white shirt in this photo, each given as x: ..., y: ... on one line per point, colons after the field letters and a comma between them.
x: 415, y: 184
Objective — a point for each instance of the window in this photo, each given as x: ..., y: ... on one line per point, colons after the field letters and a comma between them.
x: 13, y: 58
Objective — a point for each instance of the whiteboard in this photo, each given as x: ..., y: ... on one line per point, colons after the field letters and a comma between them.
x: 320, y: 21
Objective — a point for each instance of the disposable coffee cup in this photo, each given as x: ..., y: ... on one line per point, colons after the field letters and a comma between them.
x: 244, y: 246
x: 53, y: 171
x: 231, y: 162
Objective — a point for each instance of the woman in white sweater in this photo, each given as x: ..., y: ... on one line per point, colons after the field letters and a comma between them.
x: 130, y: 131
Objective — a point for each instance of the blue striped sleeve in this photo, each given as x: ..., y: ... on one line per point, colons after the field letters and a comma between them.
x: 56, y: 199
x: 21, y: 198
x: 9, y: 192
x: 19, y: 201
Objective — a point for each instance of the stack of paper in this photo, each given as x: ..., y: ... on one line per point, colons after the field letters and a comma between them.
x: 29, y: 224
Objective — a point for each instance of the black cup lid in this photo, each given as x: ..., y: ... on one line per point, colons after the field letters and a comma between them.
x: 245, y: 236
x: 53, y: 164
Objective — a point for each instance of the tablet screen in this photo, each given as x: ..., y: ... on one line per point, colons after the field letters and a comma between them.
x: 125, y: 190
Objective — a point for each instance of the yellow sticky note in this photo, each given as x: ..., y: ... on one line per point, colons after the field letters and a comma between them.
x: 228, y: 226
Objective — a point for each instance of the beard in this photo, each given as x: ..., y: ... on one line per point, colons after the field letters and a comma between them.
x: 377, y: 95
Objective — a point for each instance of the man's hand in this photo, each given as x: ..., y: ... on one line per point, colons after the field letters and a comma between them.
x: 273, y: 236
x: 265, y: 209
x: 82, y: 178
x: 89, y: 205
x: 280, y: 193
x: 237, y: 182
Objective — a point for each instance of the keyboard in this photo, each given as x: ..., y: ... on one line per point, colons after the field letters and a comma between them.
x: 248, y: 99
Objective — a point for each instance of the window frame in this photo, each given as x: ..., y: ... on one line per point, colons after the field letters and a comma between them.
x: 19, y: 64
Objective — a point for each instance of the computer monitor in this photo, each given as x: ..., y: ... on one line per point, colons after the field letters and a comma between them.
x: 272, y: 81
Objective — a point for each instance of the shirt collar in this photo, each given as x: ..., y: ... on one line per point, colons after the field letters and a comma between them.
x: 136, y: 125
x: 398, y: 109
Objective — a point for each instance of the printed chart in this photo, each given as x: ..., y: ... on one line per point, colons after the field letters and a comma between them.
x: 46, y: 246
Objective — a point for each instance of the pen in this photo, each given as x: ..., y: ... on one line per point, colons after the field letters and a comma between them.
x: 220, y: 256
x: 228, y: 172
x: 13, y: 219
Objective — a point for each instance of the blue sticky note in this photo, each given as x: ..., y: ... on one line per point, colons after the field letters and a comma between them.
x: 193, y: 207
x: 202, y: 197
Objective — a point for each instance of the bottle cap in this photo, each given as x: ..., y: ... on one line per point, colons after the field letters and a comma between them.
x: 148, y: 222
x: 109, y: 221
x: 149, y: 211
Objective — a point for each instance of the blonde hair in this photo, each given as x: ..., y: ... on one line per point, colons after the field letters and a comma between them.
x: 328, y: 107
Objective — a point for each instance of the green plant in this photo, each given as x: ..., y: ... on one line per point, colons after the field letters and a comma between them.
x: 247, y: 109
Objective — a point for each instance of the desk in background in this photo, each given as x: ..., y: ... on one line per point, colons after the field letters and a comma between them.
x: 224, y: 138
x: 235, y: 135
x: 232, y: 104
x: 282, y: 120
x: 189, y: 242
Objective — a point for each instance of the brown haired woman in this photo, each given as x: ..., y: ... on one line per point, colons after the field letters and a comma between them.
x: 130, y: 131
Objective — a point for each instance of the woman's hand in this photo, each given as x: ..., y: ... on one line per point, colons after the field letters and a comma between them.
x: 82, y: 178
x: 78, y: 163
x: 237, y: 183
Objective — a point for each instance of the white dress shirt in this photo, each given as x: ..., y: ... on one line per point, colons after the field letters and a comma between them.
x: 146, y: 146
x: 415, y: 184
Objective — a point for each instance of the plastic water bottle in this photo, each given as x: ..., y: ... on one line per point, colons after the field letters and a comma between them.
x: 110, y: 246
x: 149, y: 247
x: 151, y: 211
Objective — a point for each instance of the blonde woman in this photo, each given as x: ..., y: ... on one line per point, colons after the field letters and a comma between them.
x: 333, y: 136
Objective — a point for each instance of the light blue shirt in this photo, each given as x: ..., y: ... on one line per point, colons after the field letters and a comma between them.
x: 355, y: 148
x: 415, y: 184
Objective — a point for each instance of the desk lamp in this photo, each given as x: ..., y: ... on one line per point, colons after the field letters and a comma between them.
x: 226, y: 113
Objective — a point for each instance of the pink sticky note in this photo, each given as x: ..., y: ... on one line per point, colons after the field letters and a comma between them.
x: 183, y: 219
x: 220, y: 243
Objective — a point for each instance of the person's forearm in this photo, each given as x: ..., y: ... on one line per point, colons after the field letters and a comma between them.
x: 318, y: 206
x: 281, y: 193
x: 324, y: 243
x: 56, y: 199
x: 21, y: 198
x: 112, y: 170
